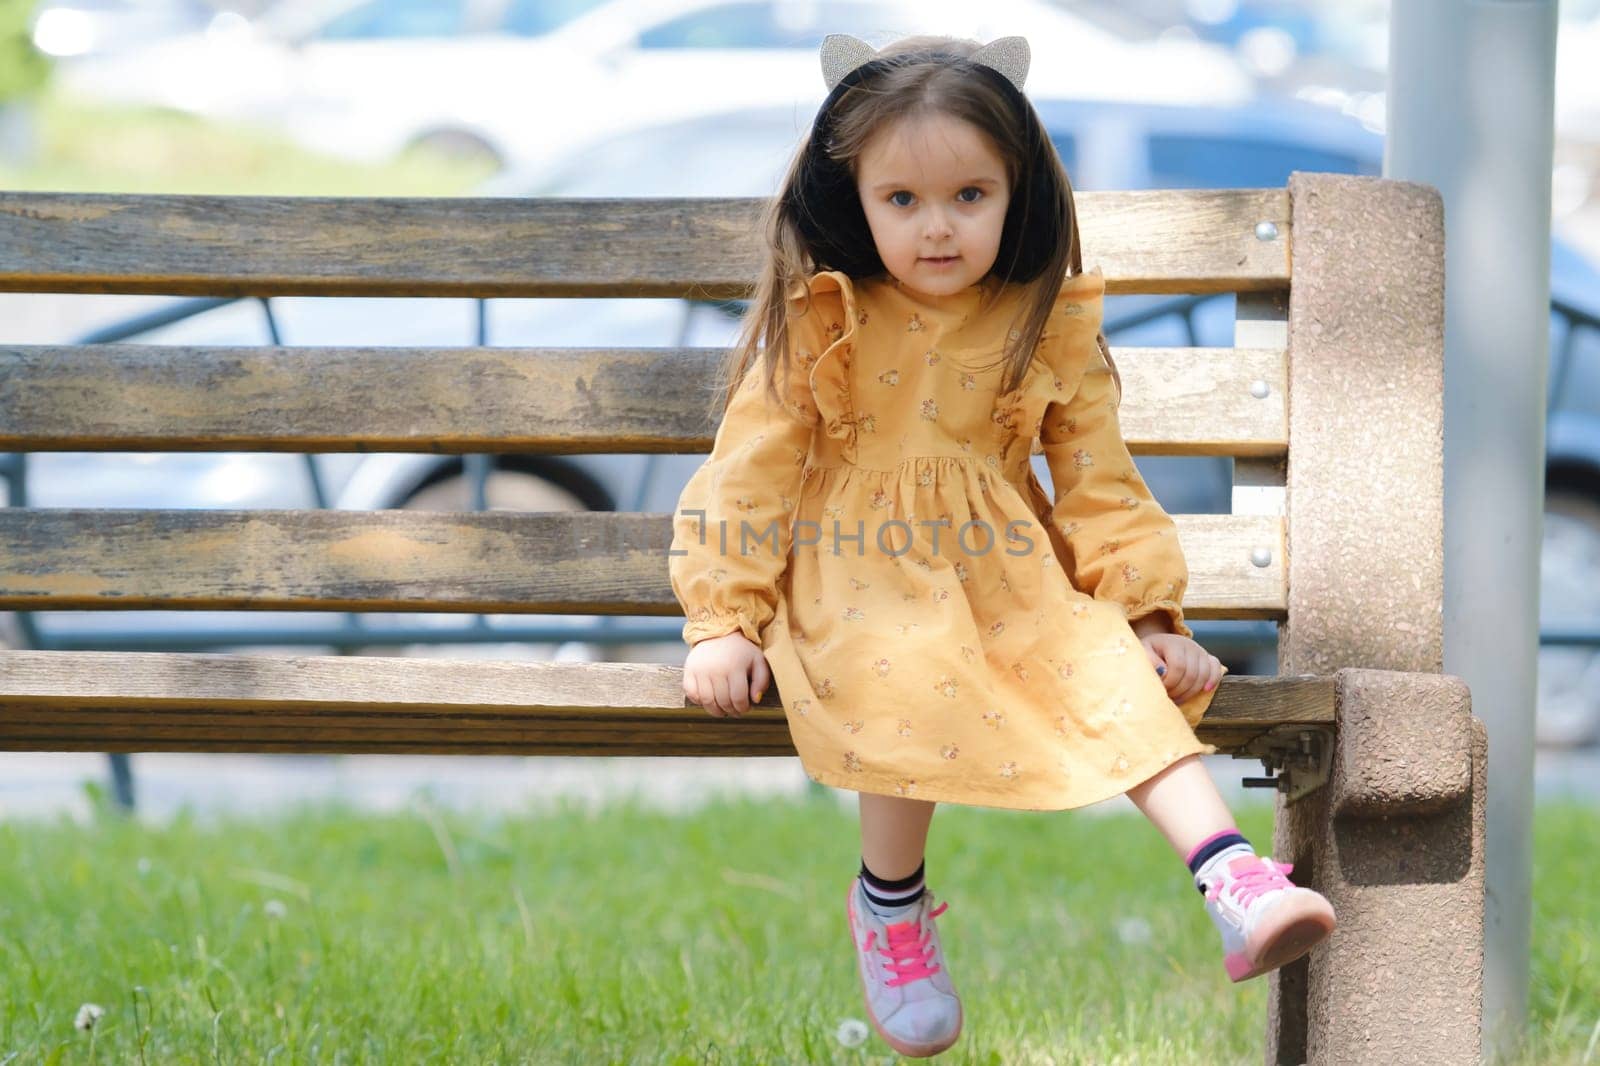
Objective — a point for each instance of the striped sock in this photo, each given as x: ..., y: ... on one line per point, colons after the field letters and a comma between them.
x: 890, y: 900
x: 1216, y: 848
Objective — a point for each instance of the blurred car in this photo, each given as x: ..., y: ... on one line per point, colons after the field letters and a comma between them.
x: 501, y: 78
x: 744, y: 153
x: 365, y: 79
x: 67, y: 28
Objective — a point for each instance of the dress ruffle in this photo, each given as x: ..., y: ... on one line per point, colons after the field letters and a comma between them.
x: 1053, y: 375
x: 834, y: 299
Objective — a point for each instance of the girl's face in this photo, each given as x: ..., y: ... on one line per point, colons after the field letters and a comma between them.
x: 935, y: 195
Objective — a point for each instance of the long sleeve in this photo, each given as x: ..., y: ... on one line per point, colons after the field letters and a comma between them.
x: 732, y: 531
x: 1123, y: 546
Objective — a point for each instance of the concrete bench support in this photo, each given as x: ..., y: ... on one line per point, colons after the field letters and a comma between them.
x: 1396, y: 839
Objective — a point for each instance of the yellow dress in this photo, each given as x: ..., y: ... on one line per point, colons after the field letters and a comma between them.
x: 936, y: 628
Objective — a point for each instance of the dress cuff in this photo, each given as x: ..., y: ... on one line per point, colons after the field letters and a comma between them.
x: 1171, y: 608
x: 710, y: 622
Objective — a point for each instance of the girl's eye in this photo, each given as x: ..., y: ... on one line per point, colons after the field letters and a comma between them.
x: 969, y: 188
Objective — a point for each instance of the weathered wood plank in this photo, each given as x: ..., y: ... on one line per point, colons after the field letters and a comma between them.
x: 763, y: 734
x: 312, y: 746
x: 494, y: 562
x: 157, y: 701
x: 1184, y: 240
x: 406, y: 689
x: 137, y: 397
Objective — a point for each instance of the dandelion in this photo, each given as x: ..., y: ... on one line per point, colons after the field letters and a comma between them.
x: 275, y: 909
x: 852, y: 1032
x: 88, y: 1014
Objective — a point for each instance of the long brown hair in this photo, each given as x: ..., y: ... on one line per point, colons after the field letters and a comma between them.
x: 911, y: 78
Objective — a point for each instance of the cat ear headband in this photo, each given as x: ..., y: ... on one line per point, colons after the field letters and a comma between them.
x: 824, y: 203
x: 842, y: 53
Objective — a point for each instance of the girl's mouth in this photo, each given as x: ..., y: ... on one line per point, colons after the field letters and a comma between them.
x: 943, y: 261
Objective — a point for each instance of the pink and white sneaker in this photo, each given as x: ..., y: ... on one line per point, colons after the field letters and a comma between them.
x: 1265, y: 919
x: 904, y: 983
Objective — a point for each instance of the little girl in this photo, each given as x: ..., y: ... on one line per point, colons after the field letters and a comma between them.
x: 869, y: 529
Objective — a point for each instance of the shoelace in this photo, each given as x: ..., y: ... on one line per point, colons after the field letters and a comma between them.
x: 908, y: 950
x: 1257, y: 880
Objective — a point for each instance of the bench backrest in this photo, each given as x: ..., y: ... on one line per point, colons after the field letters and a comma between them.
x: 1335, y: 530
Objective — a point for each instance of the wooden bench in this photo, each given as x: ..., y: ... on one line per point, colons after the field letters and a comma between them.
x: 1336, y: 531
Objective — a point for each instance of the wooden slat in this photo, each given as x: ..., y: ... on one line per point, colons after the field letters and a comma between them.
x: 136, y: 397
x: 1202, y: 401
x: 495, y: 562
x: 692, y: 734
x: 1261, y: 321
x: 157, y: 701
x: 313, y: 746
x: 1186, y: 240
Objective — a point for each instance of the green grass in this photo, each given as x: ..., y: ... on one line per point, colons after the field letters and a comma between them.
x: 1564, y: 998
x: 94, y: 147
x: 326, y: 935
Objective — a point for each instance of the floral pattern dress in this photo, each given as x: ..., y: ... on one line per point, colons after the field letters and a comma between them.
x: 936, y: 626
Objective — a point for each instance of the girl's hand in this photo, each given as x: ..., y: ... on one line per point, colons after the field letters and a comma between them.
x: 1185, y: 667
x: 725, y: 675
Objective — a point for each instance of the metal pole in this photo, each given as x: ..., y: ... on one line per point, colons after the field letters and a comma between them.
x: 1471, y: 105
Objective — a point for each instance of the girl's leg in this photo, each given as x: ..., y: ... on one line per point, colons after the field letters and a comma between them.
x: 905, y: 985
x: 1265, y: 920
x: 1184, y: 804
x: 894, y: 834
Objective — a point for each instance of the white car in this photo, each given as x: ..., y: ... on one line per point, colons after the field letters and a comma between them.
x: 64, y: 28
x: 526, y: 84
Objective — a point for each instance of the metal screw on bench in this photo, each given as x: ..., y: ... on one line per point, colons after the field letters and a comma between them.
x: 1302, y: 755
x: 1266, y: 231
x: 1268, y: 765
